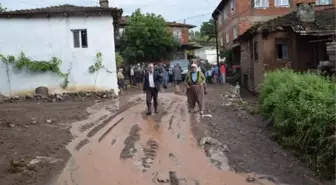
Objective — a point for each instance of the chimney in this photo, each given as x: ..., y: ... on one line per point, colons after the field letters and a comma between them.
x: 305, y: 12
x: 104, y: 3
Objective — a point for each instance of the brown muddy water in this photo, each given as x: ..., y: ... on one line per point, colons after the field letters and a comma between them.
x: 125, y: 147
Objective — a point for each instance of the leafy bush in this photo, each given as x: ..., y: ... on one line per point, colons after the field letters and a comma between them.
x: 303, y: 108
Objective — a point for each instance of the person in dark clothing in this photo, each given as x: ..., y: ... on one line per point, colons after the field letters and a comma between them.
x: 138, y: 76
x: 151, y: 86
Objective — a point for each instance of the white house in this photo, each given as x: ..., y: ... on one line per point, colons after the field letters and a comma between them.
x: 74, y: 35
x: 208, y: 53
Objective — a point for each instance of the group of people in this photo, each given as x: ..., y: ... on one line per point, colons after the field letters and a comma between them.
x: 216, y: 75
x: 156, y: 76
x: 195, y: 82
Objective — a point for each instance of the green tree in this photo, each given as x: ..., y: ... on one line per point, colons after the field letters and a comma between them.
x: 146, y: 38
x: 119, y: 60
x: 2, y: 9
x: 208, y: 29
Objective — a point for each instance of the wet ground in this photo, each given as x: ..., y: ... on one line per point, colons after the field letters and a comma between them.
x: 127, y: 147
x: 115, y: 143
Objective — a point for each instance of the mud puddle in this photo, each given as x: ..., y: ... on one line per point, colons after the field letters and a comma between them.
x: 127, y: 148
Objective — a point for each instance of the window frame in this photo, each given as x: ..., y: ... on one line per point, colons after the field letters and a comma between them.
x: 226, y: 13
x: 179, y: 33
x: 318, y: 2
x: 220, y: 19
x: 227, y: 38
x: 80, y: 38
x: 262, y: 4
x: 281, y: 4
x: 287, y: 41
x: 235, y: 31
x: 233, y: 6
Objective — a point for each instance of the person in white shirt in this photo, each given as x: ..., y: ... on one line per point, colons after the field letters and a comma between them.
x: 151, y: 86
x: 132, y: 80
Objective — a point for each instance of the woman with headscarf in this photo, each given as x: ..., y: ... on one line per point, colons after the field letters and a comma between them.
x: 195, y: 88
x: 121, y: 79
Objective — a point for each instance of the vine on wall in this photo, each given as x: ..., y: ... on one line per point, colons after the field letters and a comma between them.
x: 23, y: 62
x: 98, y: 65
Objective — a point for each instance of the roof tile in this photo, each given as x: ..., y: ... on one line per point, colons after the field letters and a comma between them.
x: 324, y: 24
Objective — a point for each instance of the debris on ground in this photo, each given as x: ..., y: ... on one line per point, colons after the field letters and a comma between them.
x: 250, y: 179
x: 43, y: 159
x: 42, y: 95
x: 232, y: 98
x: 215, y: 151
x: 18, y: 166
x: 162, y: 177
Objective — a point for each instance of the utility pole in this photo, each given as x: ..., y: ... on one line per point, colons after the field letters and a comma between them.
x: 216, y: 36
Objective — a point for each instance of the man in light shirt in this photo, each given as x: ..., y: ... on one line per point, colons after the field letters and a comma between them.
x: 151, y: 86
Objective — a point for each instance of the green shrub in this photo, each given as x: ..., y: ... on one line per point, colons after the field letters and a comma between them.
x: 303, y: 108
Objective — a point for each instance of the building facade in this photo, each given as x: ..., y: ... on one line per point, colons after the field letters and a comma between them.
x: 297, y: 41
x: 76, y: 36
x: 234, y: 17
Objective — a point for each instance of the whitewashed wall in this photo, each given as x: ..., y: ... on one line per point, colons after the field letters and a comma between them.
x: 43, y: 38
x: 208, y: 53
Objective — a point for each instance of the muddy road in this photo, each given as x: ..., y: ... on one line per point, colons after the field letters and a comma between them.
x: 113, y: 142
x: 123, y: 146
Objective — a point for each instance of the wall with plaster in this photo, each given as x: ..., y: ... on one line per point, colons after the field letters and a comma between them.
x: 43, y: 38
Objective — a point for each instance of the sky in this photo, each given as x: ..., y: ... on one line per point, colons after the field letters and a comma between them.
x: 192, y: 11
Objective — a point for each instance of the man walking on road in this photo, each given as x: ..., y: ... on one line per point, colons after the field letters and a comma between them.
x: 151, y: 87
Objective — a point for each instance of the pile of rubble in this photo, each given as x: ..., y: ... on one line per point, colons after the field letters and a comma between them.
x: 42, y: 94
x: 233, y: 100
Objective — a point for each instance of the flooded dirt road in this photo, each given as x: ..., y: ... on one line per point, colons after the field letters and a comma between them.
x: 124, y: 147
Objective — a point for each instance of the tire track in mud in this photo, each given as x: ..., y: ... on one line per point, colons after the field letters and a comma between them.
x: 171, y: 120
x: 82, y: 143
x: 110, y: 129
x: 173, y: 178
x: 88, y: 126
x: 129, y: 150
x: 150, y: 153
x: 106, y: 122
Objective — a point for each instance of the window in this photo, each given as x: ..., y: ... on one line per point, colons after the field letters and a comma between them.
x: 226, y: 13
x: 220, y: 19
x: 260, y: 3
x: 255, y: 50
x: 80, y: 38
x: 282, y: 49
x: 221, y: 41
x: 235, y: 32
x: 177, y: 33
x: 121, y: 30
x: 233, y: 6
x: 281, y: 3
x: 227, y: 37
x: 323, y: 2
